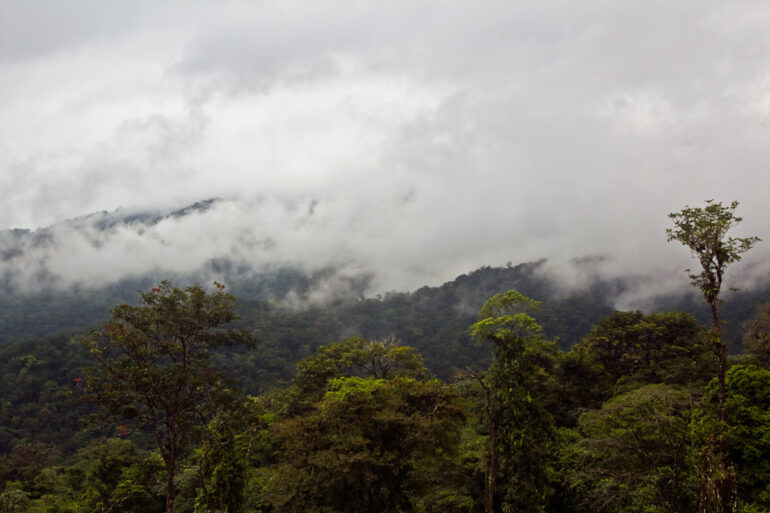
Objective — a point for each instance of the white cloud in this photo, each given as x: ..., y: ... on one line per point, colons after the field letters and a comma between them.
x: 495, y: 132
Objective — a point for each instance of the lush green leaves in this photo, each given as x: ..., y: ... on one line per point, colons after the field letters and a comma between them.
x: 748, y: 428
x: 634, y: 348
x: 633, y: 454
x: 756, y: 336
x: 153, y: 366
x: 362, y: 447
x: 522, y: 390
x: 361, y: 427
x: 704, y: 231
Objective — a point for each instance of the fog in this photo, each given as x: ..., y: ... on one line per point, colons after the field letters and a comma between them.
x: 410, y: 142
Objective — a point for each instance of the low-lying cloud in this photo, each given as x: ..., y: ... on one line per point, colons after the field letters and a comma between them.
x: 366, y: 138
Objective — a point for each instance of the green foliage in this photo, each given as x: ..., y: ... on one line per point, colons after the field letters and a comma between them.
x: 106, y: 461
x: 633, y: 453
x: 523, y: 377
x: 107, y: 475
x: 233, y: 442
x: 507, y: 303
x: 586, y: 384
x: 748, y: 431
x: 524, y: 392
x: 153, y: 368
x: 748, y: 396
x: 756, y: 336
x: 117, y: 477
x: 363, y: 447
x: 504, y: 316
x: 361, y: 428
x: 704, y: 231
x: 634, y: 349
x: 26, y: 461
x: 40, y: 382
x: 14, y: 499
x: 379, y: 359
x: 434, y: 320
x: 457, y: 485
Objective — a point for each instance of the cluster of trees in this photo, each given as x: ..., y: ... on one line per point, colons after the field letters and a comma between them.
x: 624, y: 421
x: 646, y: 413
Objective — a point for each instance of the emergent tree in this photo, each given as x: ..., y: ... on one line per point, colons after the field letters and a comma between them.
x: 704, y: 231
x: 520, y: 390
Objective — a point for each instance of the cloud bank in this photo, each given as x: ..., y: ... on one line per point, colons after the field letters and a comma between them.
x: 413, y: 142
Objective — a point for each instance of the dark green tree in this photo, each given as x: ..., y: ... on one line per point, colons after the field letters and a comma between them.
x: 748, y: 434
x: 153, y: 371
x: 230, y: 444
x: 633, y: 454
x: 704, y: 231
x: 117, y: 477
x: 634, y: 348
x: 756, y: 336
x: 748, y: 398
x: 361, y: 430
x: 365, y: 446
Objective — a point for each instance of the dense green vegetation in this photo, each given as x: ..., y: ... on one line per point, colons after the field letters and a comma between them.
x: 622, y: 421
x: 407, y: 403
x: 430, y: 318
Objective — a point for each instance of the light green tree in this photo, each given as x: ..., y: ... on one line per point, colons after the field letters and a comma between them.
x: 354, y: 356
x: 521, y: 391
x: 13, y: 499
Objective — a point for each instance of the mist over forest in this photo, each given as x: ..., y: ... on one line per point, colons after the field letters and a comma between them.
x: 508, y: 133
x: 370, y: 257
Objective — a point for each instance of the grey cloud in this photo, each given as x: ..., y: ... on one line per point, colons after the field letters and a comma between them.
x: 30, y: 30
x: 409, y: 142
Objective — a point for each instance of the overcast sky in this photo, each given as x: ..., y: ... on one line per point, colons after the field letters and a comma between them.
x: 416, y: 141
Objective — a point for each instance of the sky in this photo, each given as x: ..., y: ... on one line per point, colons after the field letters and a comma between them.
x: 414, y: 141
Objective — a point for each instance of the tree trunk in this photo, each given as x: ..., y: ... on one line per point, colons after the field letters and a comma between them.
x: 721, y: 354
x: 170, y: 467
x: 491, y: 455
x: 725, y: 485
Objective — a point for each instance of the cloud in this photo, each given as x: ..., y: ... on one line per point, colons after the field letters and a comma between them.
x: 362, y: 135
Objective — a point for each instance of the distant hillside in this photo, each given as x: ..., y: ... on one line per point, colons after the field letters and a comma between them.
x: 39, y: 361
x: 294, y: 311
x: 435, y: 320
